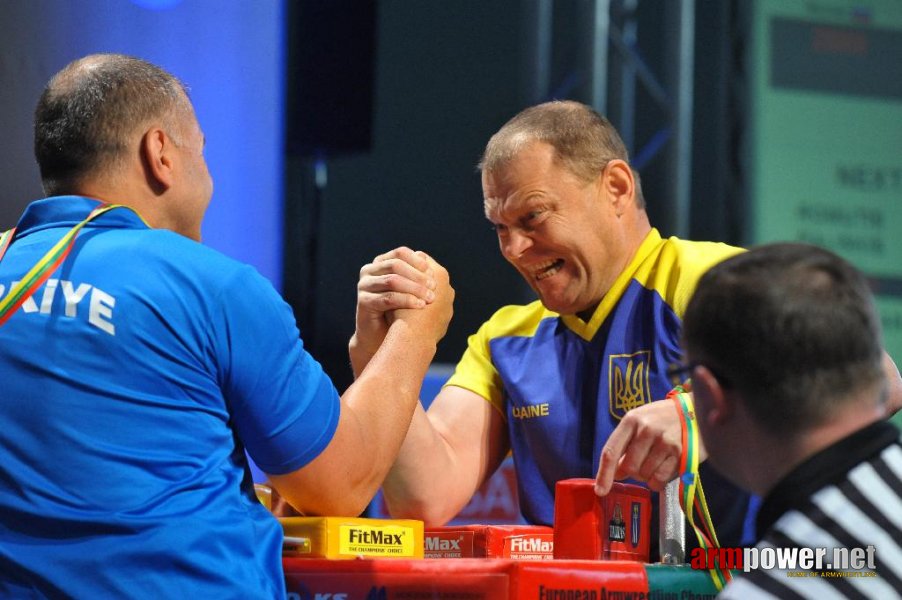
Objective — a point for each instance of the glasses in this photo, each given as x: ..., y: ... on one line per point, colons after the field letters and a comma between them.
x: 679, y: 373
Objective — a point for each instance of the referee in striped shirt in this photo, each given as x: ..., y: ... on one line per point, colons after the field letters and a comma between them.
x: 784, y: 346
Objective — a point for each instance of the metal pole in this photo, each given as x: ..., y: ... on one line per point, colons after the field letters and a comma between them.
x: 538, y: 34
x: 682, y: 156
x: 628, y: 79
x: 600, y: 32
x: 671, y: 525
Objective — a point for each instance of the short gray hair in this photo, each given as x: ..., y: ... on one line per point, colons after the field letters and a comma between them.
x: 583, y: 140
x: 89, y: 110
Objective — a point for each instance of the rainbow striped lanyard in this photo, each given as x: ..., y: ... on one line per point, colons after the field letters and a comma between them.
x: 692, y: 495
x: 41, y: 271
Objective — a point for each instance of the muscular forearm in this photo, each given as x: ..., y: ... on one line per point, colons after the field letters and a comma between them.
x: 417, y: 486
x: 447, y: 454
x: 387, y: 388
x: 375, y: 416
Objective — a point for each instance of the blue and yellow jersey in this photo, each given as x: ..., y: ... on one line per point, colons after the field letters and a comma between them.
x: 562, y: 384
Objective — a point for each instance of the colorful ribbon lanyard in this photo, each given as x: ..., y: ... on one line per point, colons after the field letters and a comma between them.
x: 692, y: 495
x: 41, y: 271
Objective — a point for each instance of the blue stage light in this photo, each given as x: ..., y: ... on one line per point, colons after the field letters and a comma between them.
x: 157, y: 4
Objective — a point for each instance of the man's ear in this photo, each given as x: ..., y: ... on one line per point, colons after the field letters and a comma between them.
x: 617, y: 180
x: 718, y: 403
x: 156, y: 154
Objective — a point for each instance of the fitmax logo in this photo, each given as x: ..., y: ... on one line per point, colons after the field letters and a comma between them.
x: 531, y: 545
x: 434, y: 543
x: 362, y: 536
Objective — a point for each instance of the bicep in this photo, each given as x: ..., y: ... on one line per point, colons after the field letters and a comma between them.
x: 282, y: 405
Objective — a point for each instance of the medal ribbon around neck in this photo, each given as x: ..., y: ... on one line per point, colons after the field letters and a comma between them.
x: 42, y: 270
x: 692, y: 495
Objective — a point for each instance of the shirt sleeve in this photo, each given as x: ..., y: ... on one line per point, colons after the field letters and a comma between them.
x: 690, y: 261
x: 284, y: 407
x: 475, y: 371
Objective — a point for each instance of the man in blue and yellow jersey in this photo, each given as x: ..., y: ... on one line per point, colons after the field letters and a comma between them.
x: 551, y: 381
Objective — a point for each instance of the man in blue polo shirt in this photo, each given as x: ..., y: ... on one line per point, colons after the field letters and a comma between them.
x: 137, y: 366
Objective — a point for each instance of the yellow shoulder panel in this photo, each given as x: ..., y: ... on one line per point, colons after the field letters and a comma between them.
x: 675, y: 270
x: 475, y: 371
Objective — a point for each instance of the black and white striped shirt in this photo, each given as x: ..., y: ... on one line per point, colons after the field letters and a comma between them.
x: 846, y: 496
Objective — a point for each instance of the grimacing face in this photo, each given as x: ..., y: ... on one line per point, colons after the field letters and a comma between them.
x: 563, y: 235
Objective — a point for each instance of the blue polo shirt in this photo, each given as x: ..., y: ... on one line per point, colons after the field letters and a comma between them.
x: 131, y: 384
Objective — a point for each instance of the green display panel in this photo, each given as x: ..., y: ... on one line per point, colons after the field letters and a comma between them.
x: 825, y: 136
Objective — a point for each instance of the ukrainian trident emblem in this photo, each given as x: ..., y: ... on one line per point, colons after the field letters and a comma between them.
x: 628, y: 385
